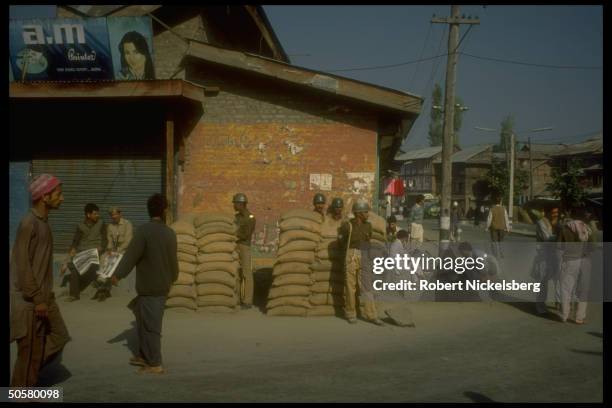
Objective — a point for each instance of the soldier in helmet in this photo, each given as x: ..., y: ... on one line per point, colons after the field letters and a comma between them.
x: 335, y: 209
x: 245, y: 223
x: 355, y: 235
x: 319, y: 203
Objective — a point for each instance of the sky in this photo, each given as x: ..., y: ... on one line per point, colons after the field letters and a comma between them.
x: 330, y: 38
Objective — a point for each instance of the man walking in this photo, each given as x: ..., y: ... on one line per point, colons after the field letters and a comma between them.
x: 245, y: 224
x: 153, y: 252
x: 89, y: 234
x: 36, y: 322
x: 576, y: 240
x: 416, y: 221
x: 498, y: 224
x: 546, y: 262
x: 355, y: 236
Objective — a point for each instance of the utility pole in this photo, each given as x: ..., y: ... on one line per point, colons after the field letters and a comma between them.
x: 530, y: 170
x: 511, y: 195
x: 449, y: 113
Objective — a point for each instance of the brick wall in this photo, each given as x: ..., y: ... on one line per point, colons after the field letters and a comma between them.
x: 265, y: 140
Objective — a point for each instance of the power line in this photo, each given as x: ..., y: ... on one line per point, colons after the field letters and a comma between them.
x: 434, y: 68
x: 530, y: 64
x: 505, y: 61
x: 416, y: 70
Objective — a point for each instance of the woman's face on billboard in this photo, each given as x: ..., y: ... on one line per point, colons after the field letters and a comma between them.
x: 134, y: 58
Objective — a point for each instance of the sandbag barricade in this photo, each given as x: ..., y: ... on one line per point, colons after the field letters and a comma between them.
x: 217, y: 274
x: 182, y: 294
x: 379, y: 228
x: 326, y: 294
x: 300, y: 234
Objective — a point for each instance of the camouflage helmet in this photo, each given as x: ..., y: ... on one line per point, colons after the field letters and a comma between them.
x: 318, y: 199
x: 337, y: 203
x: 361, y: 206
x: 239, y: 198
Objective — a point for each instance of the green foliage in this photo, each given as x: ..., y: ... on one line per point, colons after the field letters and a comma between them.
x: 567, y: 185
x: 498, y: 177
x: 436, y: 125
x: 507, y: 127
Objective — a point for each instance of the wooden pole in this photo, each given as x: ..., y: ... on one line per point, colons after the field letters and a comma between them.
x: 170, y: 168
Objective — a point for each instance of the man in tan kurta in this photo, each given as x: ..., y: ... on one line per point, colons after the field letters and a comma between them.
x: 36, y: 322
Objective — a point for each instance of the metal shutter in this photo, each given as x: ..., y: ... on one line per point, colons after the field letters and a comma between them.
x: 126, y: 183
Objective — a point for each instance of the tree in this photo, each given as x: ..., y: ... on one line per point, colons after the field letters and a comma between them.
x: 436, y: 125
x: 567, y: 186
x: 507, y: 127
x: 498, y: 182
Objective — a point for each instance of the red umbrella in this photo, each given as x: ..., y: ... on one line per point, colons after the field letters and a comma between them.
x: 395, y: 187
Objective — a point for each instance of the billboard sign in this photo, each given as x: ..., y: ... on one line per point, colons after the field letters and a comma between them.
x: 81, y: 49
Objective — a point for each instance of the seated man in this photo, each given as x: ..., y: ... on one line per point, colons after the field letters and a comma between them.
x: 89, y: 234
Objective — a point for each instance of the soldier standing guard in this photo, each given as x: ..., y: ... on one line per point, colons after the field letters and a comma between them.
x: 319, y: 204
x: 355, y: 235
x: 245, y: 224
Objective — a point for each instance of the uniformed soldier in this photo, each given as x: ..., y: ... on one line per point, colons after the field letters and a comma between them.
x: 245, y: 222
x: 319, y: 204
x: 354, y: 235
x: 337, y: 205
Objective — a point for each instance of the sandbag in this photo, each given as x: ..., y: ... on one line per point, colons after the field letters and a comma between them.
x: 291, y: 267
x: 183, y: 227
x: 289, y: 301
x: 188, y: 249
x: 183, y: 257
x: 288, y: 290
x: 305, y: 214
x: 327, y: 276
x: 326, y: 299
x: 322, y: 310
x: 217, y: 309
x: 205, y: 289
x: 329, y: 229
x: 296, y: 246
x: 217, y: 228
x: 378, y: 223
x: 213, y: 217
x: 216, y: 247
x: 187, y: 267
x: 296, y: 256
x: 186, y: 239
x: 184, y: 279
x: 216, y: 300
x: 218, y: 237
x: 230, y: 267
x: 293, y: 279
x: 186, y: 291
x: 223, y: 277
x: 179, y: 301
x: 219, y: 257
x: 289, y: 236
x: 300, y: 224
x: 327, y: 287
x: 324, y: 254
x: 188, y: 218
x: 322, y: 266
x: 287, y: 311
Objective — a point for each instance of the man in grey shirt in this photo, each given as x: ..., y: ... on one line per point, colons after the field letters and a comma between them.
x: 416, y: 221
x: 153, y: 251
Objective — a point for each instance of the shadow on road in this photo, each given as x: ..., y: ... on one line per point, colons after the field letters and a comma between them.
x: 596, y: 334
x: 477, y: 397
x: 592, y: 353
x: 130, y: 336
x: 53, y: 373
x: 525, y: 307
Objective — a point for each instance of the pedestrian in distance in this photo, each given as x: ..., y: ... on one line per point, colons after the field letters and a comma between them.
x: 416, y: 221
x: 245, y: 224
x: 498, y: 224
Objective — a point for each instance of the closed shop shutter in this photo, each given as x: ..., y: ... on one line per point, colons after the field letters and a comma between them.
x: 123, y: 182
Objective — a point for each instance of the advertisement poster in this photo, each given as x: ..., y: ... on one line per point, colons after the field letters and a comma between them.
x: 59, y: 49
x: 131, y: 44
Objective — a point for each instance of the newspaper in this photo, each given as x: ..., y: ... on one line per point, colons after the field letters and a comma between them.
x: 109, y: 264
x: 84, y: 259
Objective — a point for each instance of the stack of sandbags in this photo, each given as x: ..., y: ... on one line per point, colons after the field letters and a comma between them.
x: 326, y: 294
x: 379, y: 228
x: 291, y: 275
x: 182, y: 293
x: 217, y: 270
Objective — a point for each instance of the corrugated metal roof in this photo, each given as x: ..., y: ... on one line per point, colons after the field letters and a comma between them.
x: 464, y: 155
x: 425, y: 153
x: 592, y: 145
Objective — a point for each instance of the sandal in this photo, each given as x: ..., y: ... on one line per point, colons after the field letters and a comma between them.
x: 579, y: 321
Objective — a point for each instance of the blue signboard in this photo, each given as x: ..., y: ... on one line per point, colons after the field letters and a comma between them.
x: 60, y: 49
x: 131, y: 44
